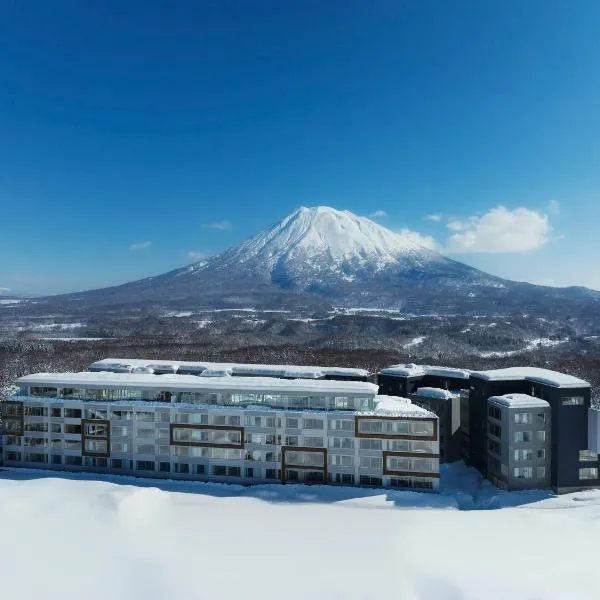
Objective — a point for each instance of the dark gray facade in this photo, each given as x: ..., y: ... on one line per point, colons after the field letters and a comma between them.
x: 519, y: 442
x: 446, y: 405
x: 573, y: 467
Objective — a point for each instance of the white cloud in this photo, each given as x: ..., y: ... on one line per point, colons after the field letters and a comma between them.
x: 554, y: 207
x: 378, y: 214
x: 457, y: 225
x: 424, y: 240
x: 221, y: 225
x: 195, y: 255
x: 436, y: 217
x: 500, y: 230
x: 141, y: 245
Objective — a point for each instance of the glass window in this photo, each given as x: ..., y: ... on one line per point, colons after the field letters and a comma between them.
x: 272, y: 474
x: 541, y: 417
x: 121, y: 415
x: 96, y: 446
x: 145, y: 449
x: 407, y: 446
x: 119, y: 447
x: 541, y: 453
x: 343, y: 403
x: 144, y: 465
x: 144, y: 432
x: 36, y: 427
x: 95, y: 413
x: 313, y: 441
x: 587, y: 456
x: 292, y: 423
x: 72, y: 413
x: 370, y: 426
x: 35, y: 411
x: 540, y: 472
x: 46, y: 392
x: 523, y: 436
x: 371, y: 462
x: 525, y: 454
x: 368, y: 444
x: 57, y: 413
x: 96, y: 429
x: 523, y: 418
x: 341, y: 442
x: 494, y: 412
x: 182, y: 468
x: 144, y: 416
x: 341, y: 424
x: 572, y: 400
x: 541, y: 436
x: 313, y: 423
x: 588, y: 473
x: 370, y: 480
x: 341, y: 460
x: 523, y: 472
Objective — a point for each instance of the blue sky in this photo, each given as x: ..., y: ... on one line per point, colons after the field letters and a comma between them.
x: 126, y: 128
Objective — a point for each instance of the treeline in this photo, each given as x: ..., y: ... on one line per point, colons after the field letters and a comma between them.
x: 23, y: 356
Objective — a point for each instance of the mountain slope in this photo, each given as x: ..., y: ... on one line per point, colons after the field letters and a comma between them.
x: 317, y: 256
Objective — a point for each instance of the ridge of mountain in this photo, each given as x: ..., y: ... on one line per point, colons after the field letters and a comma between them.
x: 320, y: 256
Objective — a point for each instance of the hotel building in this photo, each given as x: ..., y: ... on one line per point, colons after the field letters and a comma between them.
x: 217, y: 426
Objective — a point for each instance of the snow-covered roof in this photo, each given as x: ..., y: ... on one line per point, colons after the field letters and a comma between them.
x: 292, y: 371
x: 94, y: 380
x: 519, y: 401
x: 407, y: 370
x: 395, y: 406
x: 412, y: 370
x: 533, y: 374
x: 431, y: 392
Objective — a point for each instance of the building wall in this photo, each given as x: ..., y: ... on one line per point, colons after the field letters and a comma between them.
x: 569, y: 437
x: 396, y: 385
x: 520, y: 456
x: 480, y: 391
x: 448, y: 412
x: 229, y: 444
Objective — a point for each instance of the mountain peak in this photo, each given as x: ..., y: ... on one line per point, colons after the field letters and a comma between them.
x: 318, y: 246
x: 323, y: 233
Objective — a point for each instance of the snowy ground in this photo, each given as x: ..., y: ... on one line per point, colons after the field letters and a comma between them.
x: 84, y: 536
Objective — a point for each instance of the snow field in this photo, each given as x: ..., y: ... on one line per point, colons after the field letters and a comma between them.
x: 68, y: 537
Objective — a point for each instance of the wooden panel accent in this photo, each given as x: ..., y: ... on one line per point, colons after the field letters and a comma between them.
x: 386, y: 454
x: 174, y: 442
x: 105, y: 437
x: 395, y: 436
x: 285, y: 465
x: 18, y: 418
x: 411, y: 474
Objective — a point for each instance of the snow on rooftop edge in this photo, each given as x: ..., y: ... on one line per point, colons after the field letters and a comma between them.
x: 413, y: 370
x: 431, y: 392
x: 398, y: 406
x: 239, y: 367
x: 192, y: 382
x: 534, y: 374
x: 519, y: 401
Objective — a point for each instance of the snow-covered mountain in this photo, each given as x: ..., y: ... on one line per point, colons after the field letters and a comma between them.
x: 321, y: 256
x: 320, y: 246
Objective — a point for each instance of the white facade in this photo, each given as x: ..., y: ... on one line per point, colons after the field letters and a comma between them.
x: 229, y: 429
